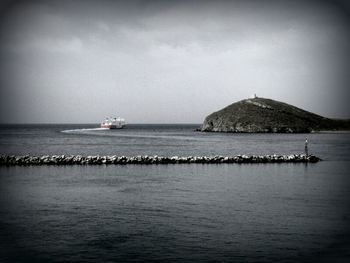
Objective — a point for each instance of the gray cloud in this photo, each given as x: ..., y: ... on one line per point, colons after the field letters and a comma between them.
x: 169, y: 61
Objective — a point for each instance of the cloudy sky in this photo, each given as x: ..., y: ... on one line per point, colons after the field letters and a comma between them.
x: 169, y: 61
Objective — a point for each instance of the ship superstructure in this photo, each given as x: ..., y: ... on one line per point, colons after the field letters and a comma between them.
x: 113, y: 123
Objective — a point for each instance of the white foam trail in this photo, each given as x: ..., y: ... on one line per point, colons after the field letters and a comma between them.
x: 85, y: 129
x: 128, y: 135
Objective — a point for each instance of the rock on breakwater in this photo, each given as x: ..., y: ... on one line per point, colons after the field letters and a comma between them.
x: 11, y: 160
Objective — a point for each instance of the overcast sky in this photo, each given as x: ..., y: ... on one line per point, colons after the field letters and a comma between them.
x: 169, y: 61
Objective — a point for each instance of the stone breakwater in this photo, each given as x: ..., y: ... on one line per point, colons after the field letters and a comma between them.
x: 10, y: 160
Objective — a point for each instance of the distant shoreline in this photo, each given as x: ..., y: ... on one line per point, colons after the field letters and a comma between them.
x: 330, y: 131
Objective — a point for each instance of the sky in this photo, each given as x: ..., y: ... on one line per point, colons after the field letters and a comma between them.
x: 169, y: 61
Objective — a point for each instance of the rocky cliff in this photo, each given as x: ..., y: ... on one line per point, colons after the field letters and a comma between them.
x: 266, y: 115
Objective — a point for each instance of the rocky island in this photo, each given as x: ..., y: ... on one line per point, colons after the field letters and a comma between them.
x: 256, y: 115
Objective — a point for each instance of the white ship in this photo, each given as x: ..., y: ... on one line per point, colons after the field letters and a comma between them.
x: 113, y: 123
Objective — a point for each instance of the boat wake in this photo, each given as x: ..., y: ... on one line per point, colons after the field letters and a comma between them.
x: 121, y: 133
x: 84, y: 130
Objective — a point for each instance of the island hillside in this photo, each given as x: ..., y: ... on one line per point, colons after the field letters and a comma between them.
x: 269, y: 116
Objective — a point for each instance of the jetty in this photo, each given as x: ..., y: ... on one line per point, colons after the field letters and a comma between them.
x: 25, y: 160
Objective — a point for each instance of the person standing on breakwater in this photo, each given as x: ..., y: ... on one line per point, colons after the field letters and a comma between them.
x: 306, y: 147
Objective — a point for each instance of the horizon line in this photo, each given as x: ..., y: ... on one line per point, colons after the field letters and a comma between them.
x: 94, y: 123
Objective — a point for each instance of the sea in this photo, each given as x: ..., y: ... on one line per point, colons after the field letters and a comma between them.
x: 176, y: 212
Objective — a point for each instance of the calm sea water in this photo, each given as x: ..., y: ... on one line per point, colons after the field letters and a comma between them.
x: 173, y: 213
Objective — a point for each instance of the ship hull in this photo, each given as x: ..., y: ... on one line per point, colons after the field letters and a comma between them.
x: 111, y: 126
